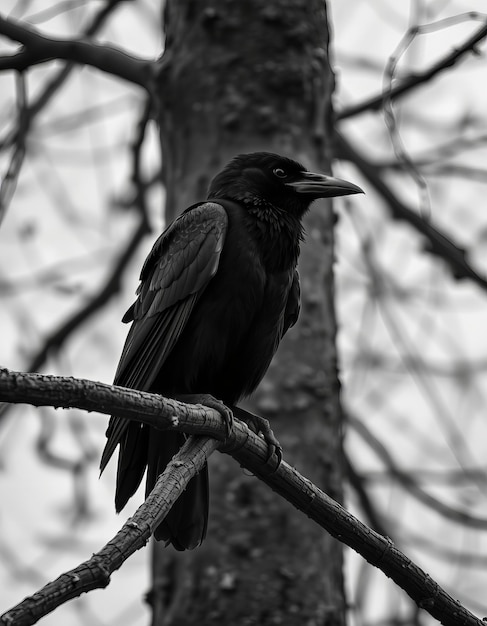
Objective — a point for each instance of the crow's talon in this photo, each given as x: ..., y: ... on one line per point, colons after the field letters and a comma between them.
x: 260, y: 426
x: 277, y: 450
x: 207, y: 400
x: 224, y: 411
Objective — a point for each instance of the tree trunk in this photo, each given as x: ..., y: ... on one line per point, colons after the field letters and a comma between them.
x: 238, y: 77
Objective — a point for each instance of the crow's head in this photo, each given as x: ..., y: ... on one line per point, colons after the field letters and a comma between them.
x: 263, y: 178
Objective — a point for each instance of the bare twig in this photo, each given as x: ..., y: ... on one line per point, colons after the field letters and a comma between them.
x: 437, y: 242
x: 64, y: 6
x: 251, y: 452
x: 357, y: 483
x: 410, y: 484
x: 54, y: 342
x: 390, y: 117
x: 455, y: 436
x: 413, y: 81
x: 140, y: 185
x: 9, y: 182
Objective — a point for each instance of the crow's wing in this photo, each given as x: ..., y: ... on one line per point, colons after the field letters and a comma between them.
x: 180, y: 265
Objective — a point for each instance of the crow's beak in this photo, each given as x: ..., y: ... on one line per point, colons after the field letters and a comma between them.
x: 321, y: 186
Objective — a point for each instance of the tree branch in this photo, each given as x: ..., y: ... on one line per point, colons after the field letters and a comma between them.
x: 251, y: 452
x: 437, y: 243
x: 9, y: 182
x: 53, y: 84
x: 67, y: 393
x: 58, y: 337
x: 410, y: 483
x: 107, y: 290
x: 134, y: 534
x: 39, y: 48
x: 409, y: 83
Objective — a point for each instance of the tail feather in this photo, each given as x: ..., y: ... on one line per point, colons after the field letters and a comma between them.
x: 140, y: 447
x: 132, y: 461
x: 186, y: 523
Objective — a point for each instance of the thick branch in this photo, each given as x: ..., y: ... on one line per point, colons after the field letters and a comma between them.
x: 415, y: 80
x: 251, y: 452
x: 66, y: 392
x: 39, y: 48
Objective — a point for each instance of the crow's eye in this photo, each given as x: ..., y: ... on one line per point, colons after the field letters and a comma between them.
x: 279, y: 172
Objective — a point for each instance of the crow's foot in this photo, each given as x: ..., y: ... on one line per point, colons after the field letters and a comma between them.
x: 211, y: 402
x: 260, y: 426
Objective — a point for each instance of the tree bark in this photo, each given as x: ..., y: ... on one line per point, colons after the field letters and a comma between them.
x: 239, y: 77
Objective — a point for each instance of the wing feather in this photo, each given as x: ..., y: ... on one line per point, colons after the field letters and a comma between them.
x: 293, y: 304
x: 180, y: 265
